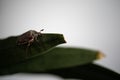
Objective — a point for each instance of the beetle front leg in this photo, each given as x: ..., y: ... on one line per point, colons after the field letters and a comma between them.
x: 27, y: 48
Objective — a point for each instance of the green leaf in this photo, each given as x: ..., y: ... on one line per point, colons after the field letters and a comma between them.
x: 11, y: 54
x: 86, y: 72
x: 55, y: 59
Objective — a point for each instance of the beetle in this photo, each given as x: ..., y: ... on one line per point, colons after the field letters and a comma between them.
x: 28, y: 37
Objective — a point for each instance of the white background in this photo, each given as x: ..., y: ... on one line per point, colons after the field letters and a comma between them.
x: 93, y: 24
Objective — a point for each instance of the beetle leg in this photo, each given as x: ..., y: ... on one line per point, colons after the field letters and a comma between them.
x: 28, y: 45
x: 27, y: 48
x: 36, y: 39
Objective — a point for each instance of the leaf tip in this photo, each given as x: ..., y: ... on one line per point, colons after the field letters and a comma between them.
x: 100, y: 55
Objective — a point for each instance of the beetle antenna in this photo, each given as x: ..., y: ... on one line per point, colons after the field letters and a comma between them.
x: 41, y: 30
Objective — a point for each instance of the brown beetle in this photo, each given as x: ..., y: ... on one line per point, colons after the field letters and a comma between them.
x: 28, y: 38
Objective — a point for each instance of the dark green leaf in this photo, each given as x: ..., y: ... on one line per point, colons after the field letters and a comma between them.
x: 11, y: 54
x: 55, y: 59
x: 86, y: 72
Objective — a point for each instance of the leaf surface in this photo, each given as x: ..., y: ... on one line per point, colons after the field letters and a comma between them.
x: 57, y: 58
